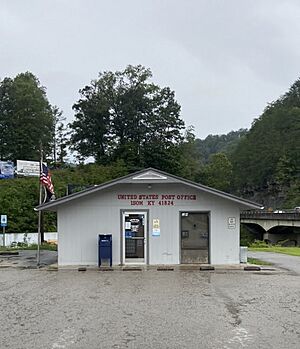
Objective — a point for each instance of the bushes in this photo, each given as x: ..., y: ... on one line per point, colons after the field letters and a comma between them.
x: 264, y: 244
x: 260, y: 244
x: 25, y: 246
x: 246, y: 237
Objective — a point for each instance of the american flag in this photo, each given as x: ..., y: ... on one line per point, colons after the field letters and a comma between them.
x: 45, y: 179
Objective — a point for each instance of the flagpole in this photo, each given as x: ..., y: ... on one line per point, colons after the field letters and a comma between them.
x: 40, y: 212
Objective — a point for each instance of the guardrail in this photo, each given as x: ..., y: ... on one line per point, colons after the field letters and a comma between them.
x: 290, y: 215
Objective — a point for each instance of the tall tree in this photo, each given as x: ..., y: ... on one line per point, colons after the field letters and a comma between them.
x: 26, y: 118
x: 91, y: 128
x: 60, y: 137
x: 123, y: 115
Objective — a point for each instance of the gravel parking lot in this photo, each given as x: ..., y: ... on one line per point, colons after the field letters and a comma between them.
x: 148, y: 309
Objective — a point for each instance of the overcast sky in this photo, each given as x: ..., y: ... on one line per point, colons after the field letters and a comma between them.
x: 225, y: 59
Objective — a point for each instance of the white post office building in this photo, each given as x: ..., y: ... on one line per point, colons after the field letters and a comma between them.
x: 154, y: 217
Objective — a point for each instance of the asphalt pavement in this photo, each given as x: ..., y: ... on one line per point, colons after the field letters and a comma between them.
x: 284, y: 261
x: 148, y: 309
x: 28, y: 259
x: 55, y: 309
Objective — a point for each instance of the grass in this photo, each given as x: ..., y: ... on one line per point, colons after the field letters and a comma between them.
x: 292, y: 251
x: 44, y: 246
x: 257, y: 261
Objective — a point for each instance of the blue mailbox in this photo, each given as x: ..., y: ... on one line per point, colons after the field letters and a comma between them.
x: 104, y: 248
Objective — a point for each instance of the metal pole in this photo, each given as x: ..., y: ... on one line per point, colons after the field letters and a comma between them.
x: 40, y: 213
x: 3, y: 236
x: 39, y: 228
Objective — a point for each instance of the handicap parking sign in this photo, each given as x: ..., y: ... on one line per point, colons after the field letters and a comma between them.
x: 3, y: 220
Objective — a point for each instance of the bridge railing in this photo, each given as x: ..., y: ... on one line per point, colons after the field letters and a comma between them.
x: 274, y: 215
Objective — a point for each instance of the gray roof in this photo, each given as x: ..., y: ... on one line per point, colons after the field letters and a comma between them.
x: 150, y: 176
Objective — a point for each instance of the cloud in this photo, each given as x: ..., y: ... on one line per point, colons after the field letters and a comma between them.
x: 225, y: 59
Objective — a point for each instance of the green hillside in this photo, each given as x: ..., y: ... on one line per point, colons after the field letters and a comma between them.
x: 19, y: 196
x: 267, y: 159
x: 225, y: 143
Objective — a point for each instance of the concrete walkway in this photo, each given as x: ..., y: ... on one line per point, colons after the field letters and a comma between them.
x: 284, y: 261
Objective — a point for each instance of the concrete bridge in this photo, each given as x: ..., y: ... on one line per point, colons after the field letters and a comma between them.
x: 273, y: 226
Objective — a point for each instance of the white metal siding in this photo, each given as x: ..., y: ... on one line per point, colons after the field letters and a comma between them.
x: 80, y: 222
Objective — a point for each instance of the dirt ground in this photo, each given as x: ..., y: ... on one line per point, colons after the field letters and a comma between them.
x: 148, y: 309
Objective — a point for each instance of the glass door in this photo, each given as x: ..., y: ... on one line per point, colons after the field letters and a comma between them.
x: 134, y: 237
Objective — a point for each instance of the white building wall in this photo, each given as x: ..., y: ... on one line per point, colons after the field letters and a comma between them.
x: 224, y: 242
x: 80, y: 221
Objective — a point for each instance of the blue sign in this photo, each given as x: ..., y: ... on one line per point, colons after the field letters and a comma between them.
x: 128, y: 234
x: 3, y: 220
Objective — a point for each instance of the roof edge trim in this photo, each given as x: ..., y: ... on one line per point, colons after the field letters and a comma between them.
x: 105, y: 185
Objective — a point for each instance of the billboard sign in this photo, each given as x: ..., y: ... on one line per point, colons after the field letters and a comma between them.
x: 6, y: 169
x: 28, y: 168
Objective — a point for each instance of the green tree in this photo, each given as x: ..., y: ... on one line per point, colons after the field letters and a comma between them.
x: 90, y: 132
x: 123, y: 115
x: 285, y: 171
x: 60, y: 137
x: 190, y: 157
x: 26, y: 118
x: 225, y: 143
x: 18, y: 197
x: 217, y: 173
